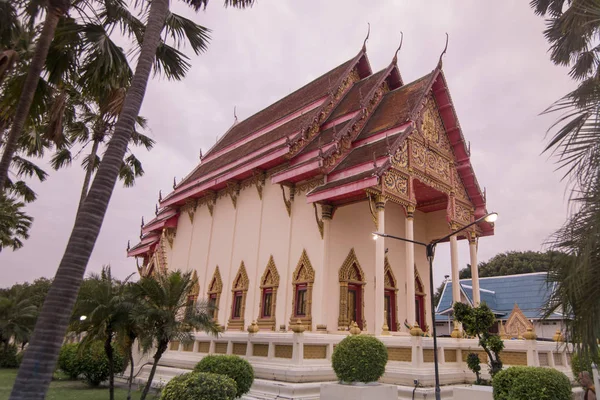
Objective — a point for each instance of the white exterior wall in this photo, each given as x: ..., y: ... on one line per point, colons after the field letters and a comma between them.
x: 258, y: 229
x: 351, y: 227
x: 274, y: 241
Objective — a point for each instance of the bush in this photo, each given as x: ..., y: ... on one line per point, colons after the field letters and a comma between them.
x: 199, y: 386
x: 8, y: 356
x: 359, y: 359
x: 233, y: 367
x: 68, y: 360
x: 473, y: 363
x: 532, y: 383
x: 93, y: 363
x: 580, y: 363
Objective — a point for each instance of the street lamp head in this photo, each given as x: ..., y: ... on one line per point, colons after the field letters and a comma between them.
x: 491, y: 217
x: 83, y: 318
x: 375, y: 236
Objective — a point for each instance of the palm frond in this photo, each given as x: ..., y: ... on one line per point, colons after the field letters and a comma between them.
x: 21, y: 190
x: 171, y: 62
x: 62, y: 158
x: 91, y: 161
x: 28, y: 169
x: 140, y: 139
x: 239, y: 3
x: 182, y: 29
x: 14, y: 223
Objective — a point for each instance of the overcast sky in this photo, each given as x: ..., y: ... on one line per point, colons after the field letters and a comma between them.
x: 498, y: 72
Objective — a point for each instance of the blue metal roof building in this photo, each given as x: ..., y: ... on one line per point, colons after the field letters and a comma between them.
x: 501, y: 293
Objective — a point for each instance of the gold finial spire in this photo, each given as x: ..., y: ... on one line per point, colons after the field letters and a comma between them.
x: 395, y: 59
x: 364, y: 48
x: 443, y: 52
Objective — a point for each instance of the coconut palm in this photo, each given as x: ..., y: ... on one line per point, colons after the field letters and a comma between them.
x: 38, y: 363
x: 166, y: 315
x: 572, y: 28
x: 103, y: 302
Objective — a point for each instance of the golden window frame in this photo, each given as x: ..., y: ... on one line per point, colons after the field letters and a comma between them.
x: 303, y: 274
x: 345, y: 278
x: 269, y: 280
x: 216, y: 288
x: 240, y: 284
x: 391, y: 284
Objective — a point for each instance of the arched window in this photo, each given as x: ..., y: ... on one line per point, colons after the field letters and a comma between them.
x: 302, y: 284
x: 420, y: 301
x: 194, y: 291
x: 269, y: 283
x: 238, y: 304
x: 352, y: 283
x: 391, y: 297
x: 214, y: 293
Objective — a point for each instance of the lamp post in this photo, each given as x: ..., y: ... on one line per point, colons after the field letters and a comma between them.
x: 430, y: 252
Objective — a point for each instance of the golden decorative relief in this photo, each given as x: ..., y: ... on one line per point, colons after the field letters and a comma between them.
x: 433, y: 127
x: 438, y: 165
x: 395, y: 183
x: 320, y: 223
x: 190, y: 208
x: 240, y: 284
x: 269, y: 280
x: 195, y: 291
x: 400, y: 157
x: 210, y: 200
x: 288, y: 203
x: 307, y: 186
x: 517, y: 323
x: 241, y: 281
x: 462, y: 213
x: 418, y: 155
x: 214, y: 290
x: 169, y: 234
x: 389, y: 278
x: 303, y: 274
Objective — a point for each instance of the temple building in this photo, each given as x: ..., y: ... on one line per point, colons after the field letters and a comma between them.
x: 276, y: 221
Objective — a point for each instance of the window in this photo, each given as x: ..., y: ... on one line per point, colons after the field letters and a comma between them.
x: 212, y: 305
x: 267, y: 302
x: 300, y: 300
x: 237, y: 305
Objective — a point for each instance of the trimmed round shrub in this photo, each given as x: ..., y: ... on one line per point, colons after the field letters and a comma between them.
x: 68, y: 360
x: 8, y: 356
x: 199, y: 386
x: 93, y: 363
x: 359, y: 359
x: 532, y: 383
x: 233, y: 367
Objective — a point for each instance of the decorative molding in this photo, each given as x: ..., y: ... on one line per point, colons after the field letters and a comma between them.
x: 233, y: 190
x: 288, y: 203
x: 374, y: 215
x: 517, y: 324
x: 258, y: 180
x: 169, y: 234
x: 303, y: 274
x: 327, y: 211
x: 190, y: 208
x: 320, y: 223
x: 210, y: 200
x: 396, y: 183
x: 309, y: 185
x: 195, y: 290
x: 350, y: 273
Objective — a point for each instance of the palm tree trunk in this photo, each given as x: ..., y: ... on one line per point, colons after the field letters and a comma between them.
x: 111, y: 365
x: 28, y: 91
x: 130, y: 348
x: 88, y: 175
x: 162, y: 346
x: 39, y: 361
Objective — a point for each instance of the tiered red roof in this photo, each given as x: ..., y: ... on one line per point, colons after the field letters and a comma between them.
x: 342, y: 126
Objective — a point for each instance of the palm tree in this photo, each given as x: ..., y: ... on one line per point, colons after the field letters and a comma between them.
x: 17, y: 318
x: 572, y: 29
x: 166, y: 314
x: 103, y: 301
x: 38, y: 363
x: 55, y: 10
x: 14, y: 223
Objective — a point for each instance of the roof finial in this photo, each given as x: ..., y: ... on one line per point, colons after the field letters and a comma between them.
x: 234, y: 115
x: 128, y: 245
x: 160, y: 195
x: 395, y: 59
x: 174, y: 183
x: 200, y: 153
x: 156, y: 209
x: 443, y: 52
x: 142, y: 221
x: 364, y: 48
x: 374, y: 161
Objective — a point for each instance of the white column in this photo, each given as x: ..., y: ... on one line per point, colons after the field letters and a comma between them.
x: 410, y: 267
x: 474, y: 269
x: 326, y: 214
x: 379, y: 266
x: 454, y: 264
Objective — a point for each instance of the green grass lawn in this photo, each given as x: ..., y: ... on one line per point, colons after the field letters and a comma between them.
x: 66, y: 390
